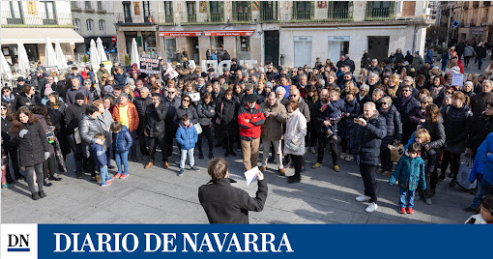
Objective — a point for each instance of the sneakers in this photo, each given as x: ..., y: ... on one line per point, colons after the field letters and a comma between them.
x: 410, y: 210
x: 182, y: 171
x: 428, y: 201
x: 372, y: 207
x: 343, y: 156
x: 148, y: 165
x: 124, y: 176
x: 385, y: 173
x: 363, y: 198
x: 98, y: 178
x: 54, y: 177
x: 303, y: 169
x: 111, y: 179
x: 349, y: 157
x: 293, y: 179
x: 402, y: 211
x: 312, y: 150
x: 336, y: 168
x: 6, y: 185
x: 262, y: 168
x: 166, y: 165
x: 282, y: 172
x: 117, y: 175
x: 107, y: 184
x: 194, y: 168
x: 316, y: 165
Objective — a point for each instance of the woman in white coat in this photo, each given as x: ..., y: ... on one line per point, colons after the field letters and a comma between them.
x: 294, y: 139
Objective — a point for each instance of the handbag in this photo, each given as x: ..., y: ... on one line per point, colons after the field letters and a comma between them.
x: 463, y: 176
x: 396, y: 152
x: 293, y: 147
x: 77, y: 137
x: 198, y: 128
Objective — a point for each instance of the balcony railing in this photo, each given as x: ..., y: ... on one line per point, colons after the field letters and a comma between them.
x: 268, y: 11
x: 123, y: 19
x: 340, y: 11
x: 162, y: 18
x: 216, y: 17
x: 191, y: 18
x: 380, y: 13
x: 242, y: 12
x: 24, y: 18
x: 303, y: 10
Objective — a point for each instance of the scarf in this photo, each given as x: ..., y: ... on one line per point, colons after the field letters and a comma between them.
x: 384, y: 111
x: 8, y: 99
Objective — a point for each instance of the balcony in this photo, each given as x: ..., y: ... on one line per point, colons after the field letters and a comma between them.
x: 191, y: 18
x: 303, y: 11
x: 269, y: 11
x: 102, y: 11
x: 24, y: 19
x: 486, y: 3
x: 165, y: 19
x: 89, y: 10
x: 380, y: 13
x: 242, y: 12
x: 216, y: 17
x: 128, y: 20
x: 340, y: 11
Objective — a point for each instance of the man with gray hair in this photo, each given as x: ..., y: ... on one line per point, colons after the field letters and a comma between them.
x: 76, y: 88
x: 366, y: 140
x: 374, y: 68
x: 373, y: 80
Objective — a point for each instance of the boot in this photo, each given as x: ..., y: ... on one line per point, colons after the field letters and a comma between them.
x: 35, y: 196
x: 201, y: 155
x: 230, y: 145
x: 211, y: 155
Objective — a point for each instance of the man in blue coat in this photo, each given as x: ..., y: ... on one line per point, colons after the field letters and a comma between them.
x: 365, y: 142
x: 484, y: 156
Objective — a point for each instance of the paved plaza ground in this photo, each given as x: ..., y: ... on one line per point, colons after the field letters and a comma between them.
x: 159, y: 196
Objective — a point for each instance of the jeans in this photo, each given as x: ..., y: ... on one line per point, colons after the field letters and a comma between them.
x: 184, y: 154
x: 368, y: 173
x: 480, y: 63
x: 406, y: 202
x: 77, y: 149
x: 104, y: 175
x: 444, y: 64
x: 486, y: 187
x: 30, y: 171
x: 122, y: 158
x: 277, y: 152
x: 477, y: 197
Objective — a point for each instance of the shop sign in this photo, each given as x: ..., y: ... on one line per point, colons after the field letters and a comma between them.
x: 229, y: 33
x: 180, y: 33
x: 149, y: 65
x: 338, y: 38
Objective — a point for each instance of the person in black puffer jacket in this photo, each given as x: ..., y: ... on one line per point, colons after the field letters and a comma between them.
x: 29, y: 136
x: 154, y: 128
x: 226, y: 112
x: 349, y: 112
x: 393, y: 135
x: 482, y: 129
x: 406, y: 106
x: 141, y: 103
x: 188, y: 109
x: 458, y: 122
x: 206, y: 110
x: 434, y: 126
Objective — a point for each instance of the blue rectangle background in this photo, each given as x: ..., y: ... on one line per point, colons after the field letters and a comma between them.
x: 307, y: 241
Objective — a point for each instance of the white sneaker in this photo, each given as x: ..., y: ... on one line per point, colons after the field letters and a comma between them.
x: 372, y: 207
x: 312, y: 150
x: 349, y: 158
x: 363, y: 198
x: 343, y: 156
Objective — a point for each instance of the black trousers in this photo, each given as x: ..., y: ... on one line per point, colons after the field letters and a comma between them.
x: 368, y: 173
x: 15, y: 164
x: 322, y: 143
x: 168, y: 141
x: 49, y: 165
x: 297, y: 162
x: 386, y: 163
x: 143, y: 145
x: 454, y: 160
x: 346, y: 145
x: 207, y: 131
x: 154, y: 142
x: 466, y: 61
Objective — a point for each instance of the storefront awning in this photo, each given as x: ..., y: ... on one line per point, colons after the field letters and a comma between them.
x: 229, y: 33
x: 39, y: 35
x: 180, y: 33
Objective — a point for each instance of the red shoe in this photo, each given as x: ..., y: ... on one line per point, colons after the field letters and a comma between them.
x: 107, y: 184
x: 117, y: 175
x: 402, y: 211
x: 410, y: 210
x: 112, y: 178
x: 124, y: 176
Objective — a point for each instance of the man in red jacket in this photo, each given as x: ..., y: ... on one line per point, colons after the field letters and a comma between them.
x: 250, y: 119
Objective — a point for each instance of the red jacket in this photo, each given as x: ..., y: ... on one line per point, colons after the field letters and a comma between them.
x: 250, y: 130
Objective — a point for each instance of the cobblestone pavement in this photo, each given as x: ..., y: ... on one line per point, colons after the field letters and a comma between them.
x: 159, y: 196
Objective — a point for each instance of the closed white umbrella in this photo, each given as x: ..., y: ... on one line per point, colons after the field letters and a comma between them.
x: 22, y: 59
x: 134, y: 54
x: 62, y: 62
x: 101, y: 53
x: 50, y: 57
x: 6, y: 72
x: 95, y: 61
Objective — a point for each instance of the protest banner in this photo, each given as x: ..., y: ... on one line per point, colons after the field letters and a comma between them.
x: 149, y: 65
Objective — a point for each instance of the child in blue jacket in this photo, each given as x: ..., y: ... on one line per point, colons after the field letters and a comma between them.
x: 410, y: 172
x: 99, y: 153
x: 186, y: 136
x: 122, y: 141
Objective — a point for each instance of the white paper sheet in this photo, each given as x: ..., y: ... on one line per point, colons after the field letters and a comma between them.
x: 251, y: 175
x: 457, y: 79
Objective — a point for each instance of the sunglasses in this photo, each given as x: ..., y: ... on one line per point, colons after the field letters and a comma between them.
x: 87, y: 83
x: 385, y: 103
x: 171, y: 92
x: 292, y: 95
x: 187, y: 101
x: 5, y: 91
x: 3, y: 109
x: 406, y: 91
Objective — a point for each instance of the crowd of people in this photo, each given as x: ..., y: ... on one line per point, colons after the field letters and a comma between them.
x: 101, y: 116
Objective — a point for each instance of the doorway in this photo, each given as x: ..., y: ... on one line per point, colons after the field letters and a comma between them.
x: 378, y: 47
x: 271, y: 49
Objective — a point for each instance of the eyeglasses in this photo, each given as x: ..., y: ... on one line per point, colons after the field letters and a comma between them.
x: 405, y: 91
x: 171, y: 92
x: 293, y: 95
x: 5, y: 91
x: 187, y: 101
x: 87, y: 83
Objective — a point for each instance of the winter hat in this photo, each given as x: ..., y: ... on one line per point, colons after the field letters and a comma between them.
x: 79, y: 96
x: 108, y: 89
x: 48, y: 90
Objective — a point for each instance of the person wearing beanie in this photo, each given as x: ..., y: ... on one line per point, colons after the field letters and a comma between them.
x: 46, y: 93
x: 72, y: 114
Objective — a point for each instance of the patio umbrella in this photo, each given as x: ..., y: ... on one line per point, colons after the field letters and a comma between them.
x: 6, y: 72
x: 50, y: 57
x: 22, y: 60
x: 62, y: 62
x: 95, y: 61
x: 101, y: 53
x: 134, y: 54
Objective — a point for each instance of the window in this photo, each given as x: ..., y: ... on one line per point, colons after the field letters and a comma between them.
x: 216, y: 11
x: 243, y: 47
x: 268, y: 10
x: 89, y: 25
x: 127, y: 11
x: 303, y: 10
x: 379, y: 10
x: 191, y: 12
x: 340, y: 10
x: 102, y: 26
x: 149, y: 38
x: 15, y: 15
x: 87, y: 5
x: 73, y: 4
x: 100, y: 5
x: 242, y: 11
x: 49, y: 16
x: 147, y: 11
x: 77, y: 25
x: 168, y: 11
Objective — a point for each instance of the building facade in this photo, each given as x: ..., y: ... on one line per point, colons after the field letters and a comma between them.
x: 92, y: 20
x: 287, y: 33
x: 476, y: 20
x: 33, y: 22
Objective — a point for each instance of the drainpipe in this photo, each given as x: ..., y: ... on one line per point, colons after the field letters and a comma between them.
x: 414, y: 38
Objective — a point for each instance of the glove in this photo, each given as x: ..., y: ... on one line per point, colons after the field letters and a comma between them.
x: 47, y: 155
x: 23, y: 132
x: 396, y: 142
x: 426, y: 147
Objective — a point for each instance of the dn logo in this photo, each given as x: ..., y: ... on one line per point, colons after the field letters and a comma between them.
x: 18, y: 243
